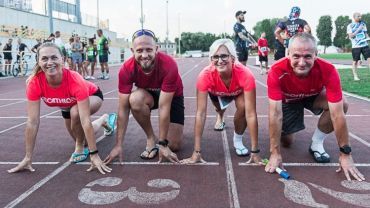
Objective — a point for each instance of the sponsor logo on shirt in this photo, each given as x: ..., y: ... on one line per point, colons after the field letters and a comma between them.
x: 237, y: 92
x: 295, y: 97
x: 59, y: 100
x: 153, y: 89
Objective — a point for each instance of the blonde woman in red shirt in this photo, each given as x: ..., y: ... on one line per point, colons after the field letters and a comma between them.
x: 77, y: 99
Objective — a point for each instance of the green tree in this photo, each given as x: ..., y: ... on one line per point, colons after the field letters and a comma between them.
x: 340, y: 39
x: 323, y: 31
x: 198, y: 41
x: 366, y: 19
x: 268, y: 26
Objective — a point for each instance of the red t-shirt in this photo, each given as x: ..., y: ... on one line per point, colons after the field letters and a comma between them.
x: 242, y: 79
x: 164, y: 77
x: 72, y: 89
x: 284, y: 85
x: 262, y: 43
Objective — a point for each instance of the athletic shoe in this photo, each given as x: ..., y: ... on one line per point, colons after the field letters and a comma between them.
x: 106, y: 77
x: 111, y: 123
x: 92, y: 78
x: 101, y: 76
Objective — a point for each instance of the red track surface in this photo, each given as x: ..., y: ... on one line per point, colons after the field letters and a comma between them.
x: 225, y: 182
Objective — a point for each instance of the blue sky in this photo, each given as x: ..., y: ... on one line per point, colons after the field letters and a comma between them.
x: 214, y: 16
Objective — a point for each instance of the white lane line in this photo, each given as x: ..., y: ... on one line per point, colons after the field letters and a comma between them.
x: 192, y: 69
x: 46, y: 115
x: 13, y: 117
x: 231, y: 184
x: 359, y: 139
x: 13, y: 99
x: 33, y: 163
x: 22, y: 101
x: 20, y: 198
x: 116, y: 98
x: 186, y: 116
x: 357, y: 96
x: 18, y: 125
x: 156, y: 163
x: 309, y: 164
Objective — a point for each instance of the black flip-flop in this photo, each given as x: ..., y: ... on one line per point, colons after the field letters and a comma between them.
x: 156, y: 149
x: 322, y: 158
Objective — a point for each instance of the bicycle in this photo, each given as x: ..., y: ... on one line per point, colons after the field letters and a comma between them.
x: 18, y: 68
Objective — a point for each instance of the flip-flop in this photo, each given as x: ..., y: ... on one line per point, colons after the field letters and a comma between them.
x: 79, y: 157
x: 220, y: 127
x: 319, y: 157
x: 242, y: 152
x: 111, y: 123
x: 154, y: 149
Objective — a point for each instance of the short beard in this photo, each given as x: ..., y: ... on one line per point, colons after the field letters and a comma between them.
x: 241, y: 19
x: 147, y: 67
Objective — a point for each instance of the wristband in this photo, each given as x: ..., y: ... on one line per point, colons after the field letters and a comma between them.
x: 255, y: 151
x: 163, y: 143
x: 93, y: 152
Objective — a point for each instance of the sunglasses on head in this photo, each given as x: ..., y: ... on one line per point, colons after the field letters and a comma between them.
x: 143, y: 32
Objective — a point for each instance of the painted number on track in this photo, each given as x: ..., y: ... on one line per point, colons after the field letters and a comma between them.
x: 91, y: 197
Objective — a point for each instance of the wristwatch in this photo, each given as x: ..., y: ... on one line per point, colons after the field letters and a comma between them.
x: 346, y: 149
x: 163, y: 143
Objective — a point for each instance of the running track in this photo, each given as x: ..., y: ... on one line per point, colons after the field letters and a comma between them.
x: 225, y: 181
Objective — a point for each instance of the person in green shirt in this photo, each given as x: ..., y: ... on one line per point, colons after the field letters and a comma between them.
x: 103, y: 50
x: 91, y: 53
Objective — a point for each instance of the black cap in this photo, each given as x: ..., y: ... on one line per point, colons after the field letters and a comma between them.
x: 239, y: 13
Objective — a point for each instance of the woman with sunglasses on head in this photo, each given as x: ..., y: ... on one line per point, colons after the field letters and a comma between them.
x: 225, y: 80
x: 77, y: 99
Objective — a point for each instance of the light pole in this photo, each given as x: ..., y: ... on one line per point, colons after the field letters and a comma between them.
x: 50, y: 10
x: 142, y: 16
x: 167, y: 26
x: 179, y: 37
x: 97, y: 14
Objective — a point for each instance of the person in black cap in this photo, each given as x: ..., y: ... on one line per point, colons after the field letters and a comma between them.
x: 241, y: 38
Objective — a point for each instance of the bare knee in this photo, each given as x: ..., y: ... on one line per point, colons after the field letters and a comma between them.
x: 137, y: 100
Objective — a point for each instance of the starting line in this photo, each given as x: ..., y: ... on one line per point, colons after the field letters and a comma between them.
x: 309, y: 164
x: 155, y: 163
x: 198, y: 164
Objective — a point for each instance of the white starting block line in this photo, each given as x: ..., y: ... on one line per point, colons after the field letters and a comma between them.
x: 309, y: 164
x: 33, y: 163
x: 156, y: 163
x: 118, y: 163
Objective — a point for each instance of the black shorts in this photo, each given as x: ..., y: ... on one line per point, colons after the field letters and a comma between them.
x: 279, y: 50
x: 263, y: 58
x: 91, y: 59
x: 103, y: 58
x: 293, y: 114
x: 67, y: 115
x: 177, y: 107
x: 242, y: 54
x: 8, y: 56
x: 356, y: 53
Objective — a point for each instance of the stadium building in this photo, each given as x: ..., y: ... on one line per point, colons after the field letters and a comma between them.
x: 30, y: 19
